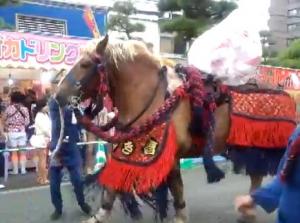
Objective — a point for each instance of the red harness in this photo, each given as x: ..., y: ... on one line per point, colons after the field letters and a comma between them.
x: 144, y: 155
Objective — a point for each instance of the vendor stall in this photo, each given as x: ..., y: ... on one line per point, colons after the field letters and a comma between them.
x: 29, y: 61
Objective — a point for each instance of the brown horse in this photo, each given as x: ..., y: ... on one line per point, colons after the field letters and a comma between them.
x: 141, y: 88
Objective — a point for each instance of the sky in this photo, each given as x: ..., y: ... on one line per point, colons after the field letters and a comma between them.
x: 257, y: 9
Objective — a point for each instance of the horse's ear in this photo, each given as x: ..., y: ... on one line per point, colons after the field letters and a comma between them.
x: 102, y: 45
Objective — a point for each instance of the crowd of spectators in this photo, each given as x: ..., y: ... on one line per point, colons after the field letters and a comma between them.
x: 25, y: 126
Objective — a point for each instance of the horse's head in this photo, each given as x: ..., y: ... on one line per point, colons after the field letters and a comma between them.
x: 82, y: 81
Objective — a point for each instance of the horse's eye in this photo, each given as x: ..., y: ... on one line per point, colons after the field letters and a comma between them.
x: 86, y: 64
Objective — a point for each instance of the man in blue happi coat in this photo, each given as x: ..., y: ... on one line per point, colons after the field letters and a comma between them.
x: 283, y: 192
x: 68, y: 157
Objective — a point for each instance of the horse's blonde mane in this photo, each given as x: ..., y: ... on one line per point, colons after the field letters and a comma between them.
x: 128, y: 51
x: 120, y: 51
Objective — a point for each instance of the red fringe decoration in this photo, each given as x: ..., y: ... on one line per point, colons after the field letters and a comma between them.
x: 258, y: 133
x: 125, y: 177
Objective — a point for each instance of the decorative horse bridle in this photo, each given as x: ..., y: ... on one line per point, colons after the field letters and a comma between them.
x: 75, y: 100
x: 99, y: 67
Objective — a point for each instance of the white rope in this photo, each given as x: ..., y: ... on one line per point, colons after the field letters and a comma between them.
x: 61, y: 135
x: 29, y: 148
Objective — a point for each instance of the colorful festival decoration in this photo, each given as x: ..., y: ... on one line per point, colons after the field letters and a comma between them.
x: 91, y: 22
x: 143, y: 162
x: 24, y: 50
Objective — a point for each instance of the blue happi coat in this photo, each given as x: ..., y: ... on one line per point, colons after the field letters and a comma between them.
x: 69, y: 153
x: 284, y: 196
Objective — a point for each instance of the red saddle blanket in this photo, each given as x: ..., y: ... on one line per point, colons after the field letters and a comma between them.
x: 261, y: 118
x: 142, y: 163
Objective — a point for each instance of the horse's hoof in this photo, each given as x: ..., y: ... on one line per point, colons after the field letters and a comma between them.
x: 102, y: 216
x: 181, y: 216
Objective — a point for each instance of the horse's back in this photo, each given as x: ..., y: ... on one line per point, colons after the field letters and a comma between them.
x: 261, y: 117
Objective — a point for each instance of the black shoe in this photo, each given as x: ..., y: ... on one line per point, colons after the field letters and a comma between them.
x: 86, y: 208
x: 55, y: 215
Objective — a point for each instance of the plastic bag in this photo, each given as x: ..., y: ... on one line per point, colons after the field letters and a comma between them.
x: 231, y: 50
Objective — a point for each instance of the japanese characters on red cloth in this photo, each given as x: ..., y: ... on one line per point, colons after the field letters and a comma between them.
x: 143, y: 163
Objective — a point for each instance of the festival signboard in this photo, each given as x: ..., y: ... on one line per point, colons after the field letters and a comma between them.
x: 288, y: 78
x: 25, y: 50
x: 278, y: 75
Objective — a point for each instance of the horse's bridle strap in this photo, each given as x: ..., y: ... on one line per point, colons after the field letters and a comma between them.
x: 71, y: 79
x: 162, y: 76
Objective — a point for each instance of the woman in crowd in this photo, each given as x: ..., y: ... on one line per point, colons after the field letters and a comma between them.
x: 16, y: 119
x: 41, y: 139
x: 283, y: 192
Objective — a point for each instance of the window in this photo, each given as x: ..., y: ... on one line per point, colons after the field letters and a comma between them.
x: 293, y: 12
x: 292, y: 27
x: 28, y: 23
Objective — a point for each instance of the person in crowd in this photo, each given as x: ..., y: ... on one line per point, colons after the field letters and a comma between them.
x: 5, y: 99
x: 16, y: 119
x: 41, y: 139
x: 2, y: 147
x: 30, y: 102
x: 283, y: 192
x: 68, y: 157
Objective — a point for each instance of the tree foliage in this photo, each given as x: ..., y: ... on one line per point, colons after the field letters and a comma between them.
x: 198, y: 15
x: 267, y: 41
x: 289, y: 57
x: 120, y: 21
x: 4, y: 25
x: 3, y: 3
x: 7, y: 2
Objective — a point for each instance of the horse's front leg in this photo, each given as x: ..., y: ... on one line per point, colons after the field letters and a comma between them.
x: 176, y: 187
x: 107, y: 202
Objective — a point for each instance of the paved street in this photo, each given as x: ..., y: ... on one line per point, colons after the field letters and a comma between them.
x: 207, y: 203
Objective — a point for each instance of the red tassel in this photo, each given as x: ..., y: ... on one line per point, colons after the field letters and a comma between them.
x: 125, y: 177
x: 267, y: 134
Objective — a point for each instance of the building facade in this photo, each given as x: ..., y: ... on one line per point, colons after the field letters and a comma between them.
x: 278, y: 24
x: 284, y: 22
x: 52, y: 17
x: 293, y: 20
